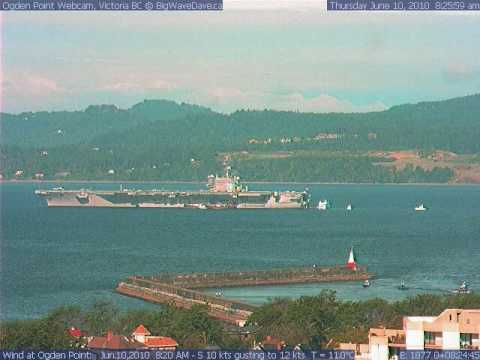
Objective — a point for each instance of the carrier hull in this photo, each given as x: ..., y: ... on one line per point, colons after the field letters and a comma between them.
x: 224, y: 192
x: 175, y: 200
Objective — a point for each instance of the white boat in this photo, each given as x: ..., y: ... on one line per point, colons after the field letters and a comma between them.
x: 349, y: 207
x: 420, y: 207
x: 82, y: 195
x: 366, y: 284
x: 402, y: 286
x: 462, y: 289
x: 202, y: 207
x: 323, y: 205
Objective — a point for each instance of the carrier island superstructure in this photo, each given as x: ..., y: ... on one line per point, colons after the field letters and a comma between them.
x: 224, y: 192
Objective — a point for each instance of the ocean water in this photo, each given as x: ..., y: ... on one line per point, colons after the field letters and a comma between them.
x: 55, y: 256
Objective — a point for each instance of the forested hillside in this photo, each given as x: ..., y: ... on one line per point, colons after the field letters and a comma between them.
x: 163, y: 140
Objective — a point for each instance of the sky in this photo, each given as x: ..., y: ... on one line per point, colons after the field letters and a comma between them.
x: 256, y: 54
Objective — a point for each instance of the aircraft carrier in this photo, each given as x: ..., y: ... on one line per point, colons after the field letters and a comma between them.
x: 224, y: 192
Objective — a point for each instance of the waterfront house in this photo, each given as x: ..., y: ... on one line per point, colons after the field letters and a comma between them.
x: 453, y: 329
x: 75, y: 332
x: 361, y: 350
x: 62, y: 174
x: 78, y: 337
x: 326, y: 136
x: 141, y: 339
x: 142, y: 335
x: 114, y: 342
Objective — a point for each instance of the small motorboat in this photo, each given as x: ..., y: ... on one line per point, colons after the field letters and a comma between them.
x: 349, y: 207
x: 323, y: 205
x: 462, y: 289
x: 202, y: 207
x: 83, y: 197
x: 402, y: 286
x: 366, y: 284
x: 421, y: 207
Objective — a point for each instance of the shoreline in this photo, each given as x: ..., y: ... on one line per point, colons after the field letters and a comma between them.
x: 31, y: 181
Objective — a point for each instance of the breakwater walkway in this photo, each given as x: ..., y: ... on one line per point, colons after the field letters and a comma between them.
x: 183, y: 290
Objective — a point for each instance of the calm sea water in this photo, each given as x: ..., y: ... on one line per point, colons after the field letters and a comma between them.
x: 54, y: 256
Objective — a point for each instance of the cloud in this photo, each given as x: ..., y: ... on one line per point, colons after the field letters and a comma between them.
x: 459, y: 71
x: 323, y: 103
x: 224, y: 96
x: 135, y: 87
x: 244, y: 58
x: 162, y: 85
x: 86, y: 60
x: 28, y: 84
x: 121, y: 87
x: 40, y: 85
x: 28, y: 91
x: 236, y: 13
x: 231, y: 99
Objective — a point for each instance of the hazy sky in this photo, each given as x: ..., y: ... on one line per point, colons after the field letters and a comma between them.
x: 255, y: 54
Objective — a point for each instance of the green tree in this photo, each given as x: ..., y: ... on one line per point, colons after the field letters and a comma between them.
x: 101, y: 317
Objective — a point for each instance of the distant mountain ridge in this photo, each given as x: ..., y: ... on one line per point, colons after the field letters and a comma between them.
x: 46, y: 129
x: 161, y: 139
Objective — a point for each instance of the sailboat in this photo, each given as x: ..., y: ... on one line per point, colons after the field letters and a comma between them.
x: 421, y: 207
x: 402, y: 286
x: 462, y: 289
x: 323, y: 205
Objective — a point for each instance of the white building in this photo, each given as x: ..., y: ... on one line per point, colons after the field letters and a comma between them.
x: 453, y: 329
